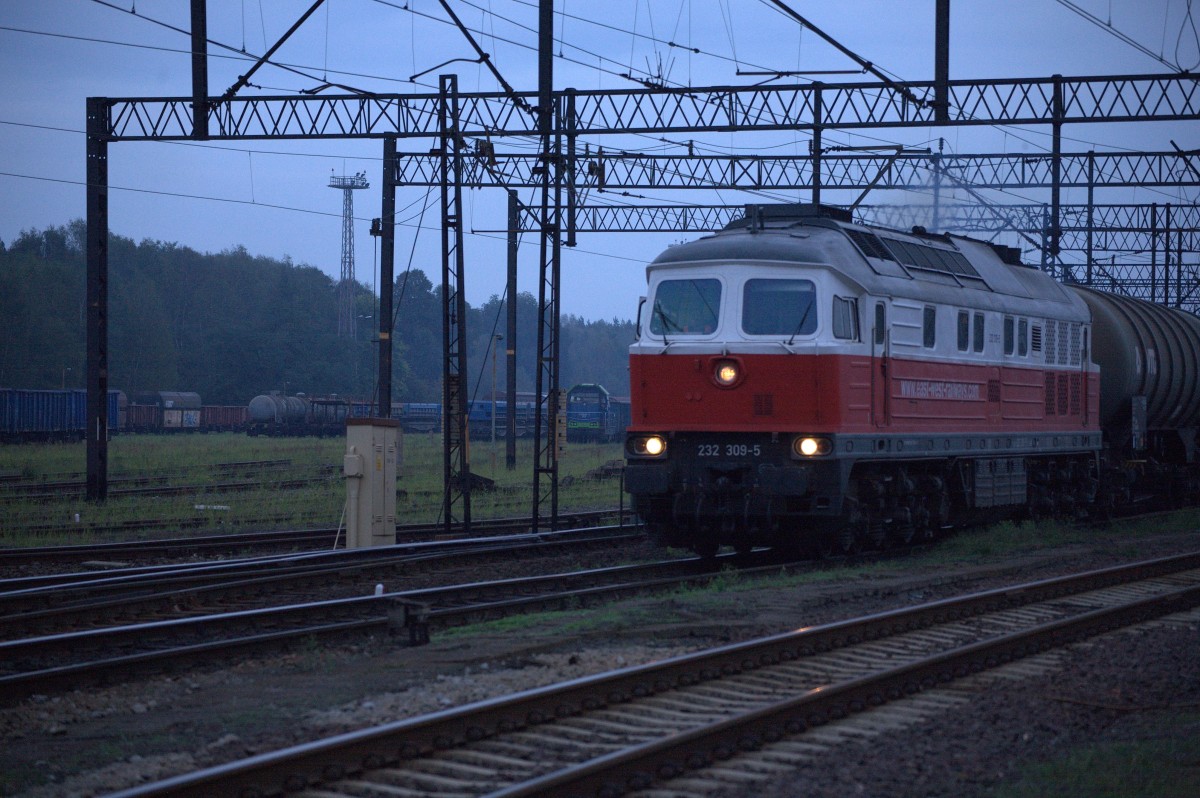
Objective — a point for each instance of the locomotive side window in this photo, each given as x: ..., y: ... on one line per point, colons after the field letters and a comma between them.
x: 1009, y: 338
x: 929, y: 327
x: 845, y: 318
x: 880, y: 322
x: 964, y: 331
x: 1023, y: 337
x: 977, y: 343
x: 779, y: 307
x: 686, y: 307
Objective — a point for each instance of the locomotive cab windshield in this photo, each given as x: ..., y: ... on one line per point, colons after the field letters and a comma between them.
x: 763, y: 306
x: 773, y: 306
x: 686, y: 307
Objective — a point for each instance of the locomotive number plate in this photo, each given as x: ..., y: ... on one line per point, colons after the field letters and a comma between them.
x: 728, y: 450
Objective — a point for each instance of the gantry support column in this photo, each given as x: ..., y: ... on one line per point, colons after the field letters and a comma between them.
x: 455, y: 443
x: 545, y: 465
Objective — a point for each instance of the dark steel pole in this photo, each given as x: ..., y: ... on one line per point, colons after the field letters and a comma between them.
x: 510, y: 351
x: 941, y: 62
x: 97, y: 299
x: 199, y: 70
x: 387, y: 272
x: 1153, y: 250
x: 1166, y: 281
x: 1091, y: 214
x: 1056, y: 176
x: 816, y: 145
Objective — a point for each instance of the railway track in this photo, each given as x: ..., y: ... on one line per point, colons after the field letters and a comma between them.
x: 62, y: 603
x: 15, y: 488
x: 744, y: 709
x: 239, y: 543
x: 46, y: 661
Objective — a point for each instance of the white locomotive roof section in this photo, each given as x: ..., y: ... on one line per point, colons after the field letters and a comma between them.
x: 953, y: 270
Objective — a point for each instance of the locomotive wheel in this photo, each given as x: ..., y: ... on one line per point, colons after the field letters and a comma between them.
x: 843, y: 541
x: 902, y: 532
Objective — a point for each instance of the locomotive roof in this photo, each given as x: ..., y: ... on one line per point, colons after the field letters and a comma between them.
x: 941, y: 268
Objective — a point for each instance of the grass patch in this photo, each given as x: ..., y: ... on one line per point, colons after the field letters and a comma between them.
x: 1163, y: 768
x: 974, y: 546
x: 285, y: 483
x: 553, y: 623
x: 978, y: 544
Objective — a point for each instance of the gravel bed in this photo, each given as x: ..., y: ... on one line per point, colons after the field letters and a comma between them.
x: 1138, y: 685
x: 91, y: 742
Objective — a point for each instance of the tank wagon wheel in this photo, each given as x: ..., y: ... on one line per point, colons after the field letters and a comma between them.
x: 706, y: 545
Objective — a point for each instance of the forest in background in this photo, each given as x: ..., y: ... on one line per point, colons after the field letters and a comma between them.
x: 231, y: 325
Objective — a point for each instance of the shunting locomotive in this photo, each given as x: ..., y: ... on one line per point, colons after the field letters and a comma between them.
x: 803, y: 381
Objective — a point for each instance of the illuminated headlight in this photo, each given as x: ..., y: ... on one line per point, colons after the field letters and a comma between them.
x: 648, y: 446
x: 726, y: 372
x: 811, y: 447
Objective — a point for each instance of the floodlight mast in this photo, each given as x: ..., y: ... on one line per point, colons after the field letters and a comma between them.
x: 347, y: 320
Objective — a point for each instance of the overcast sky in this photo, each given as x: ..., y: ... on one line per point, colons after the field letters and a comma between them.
x: 272, y: 197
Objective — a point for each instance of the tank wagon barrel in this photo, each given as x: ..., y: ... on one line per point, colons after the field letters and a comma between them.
x: 1144, y: 350
x: 277, y: 409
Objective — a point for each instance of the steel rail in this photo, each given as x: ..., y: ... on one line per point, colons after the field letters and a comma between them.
x: 129, y: 589
x: 405, y: 612
x: 639, y: 767
x: 244, y: 540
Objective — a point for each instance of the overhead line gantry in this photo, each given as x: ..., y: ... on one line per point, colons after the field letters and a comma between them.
x: 563, y: 117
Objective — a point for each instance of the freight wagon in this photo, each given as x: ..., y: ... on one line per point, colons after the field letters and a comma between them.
x: 37, y: 415
x: 164, y: 411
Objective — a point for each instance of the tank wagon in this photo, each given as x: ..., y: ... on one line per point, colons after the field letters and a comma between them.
x: 276, y: 414
x: 803, y: 381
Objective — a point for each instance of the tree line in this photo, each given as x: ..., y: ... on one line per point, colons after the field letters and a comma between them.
x: 232, y: 325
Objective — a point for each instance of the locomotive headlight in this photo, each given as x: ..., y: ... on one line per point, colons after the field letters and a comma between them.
x: 648, y: 446
x: 811, y: 447
x: 727, y: 372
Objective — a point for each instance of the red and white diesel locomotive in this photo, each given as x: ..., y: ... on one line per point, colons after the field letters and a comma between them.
x: 803, y: 381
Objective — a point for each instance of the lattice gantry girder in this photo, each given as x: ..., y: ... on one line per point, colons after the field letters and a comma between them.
x: 844, y: 106
x: 618, y: 171
x: 963, y: 217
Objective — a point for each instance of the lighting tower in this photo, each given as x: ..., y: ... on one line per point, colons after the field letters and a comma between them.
x: 346, y: 325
